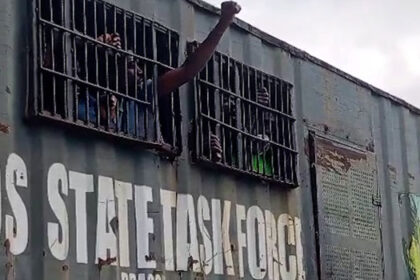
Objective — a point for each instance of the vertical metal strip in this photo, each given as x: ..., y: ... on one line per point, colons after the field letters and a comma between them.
x: 242, y: 126
x: 41, y: 38
x: 270, y: 116
x: 65, y: 80
x: 172, y: 97
x: 38, y: 59
x: 84, y: 16
x: 150, y: 107
x: 228, y: 131
x: 155, y: 78
x: 115, y: 53
x: 250, y: 124
x: 222, y: 109
x: 125, y: 30
x: 278, y: 150
x: 54, y: 83
x: 51, y: 11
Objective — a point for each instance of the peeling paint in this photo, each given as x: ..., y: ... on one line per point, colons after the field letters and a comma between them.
x: 108, y: 261
x: 329, y: 154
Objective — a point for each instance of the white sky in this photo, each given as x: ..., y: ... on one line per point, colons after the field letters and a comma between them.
x: 377, y: 41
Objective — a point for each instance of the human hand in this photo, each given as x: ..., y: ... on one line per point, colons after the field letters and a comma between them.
x: 229, y: 10
x: 112, y: 39
x: 216, y: 148
x: 263, y: 97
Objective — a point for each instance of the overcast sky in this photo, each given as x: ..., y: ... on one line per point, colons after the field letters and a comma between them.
x: 377, y: 41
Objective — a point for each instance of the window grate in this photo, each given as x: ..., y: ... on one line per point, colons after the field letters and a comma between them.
x: 256, y: 135
x: 84, y: 80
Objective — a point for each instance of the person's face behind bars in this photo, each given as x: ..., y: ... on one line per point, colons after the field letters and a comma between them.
x: 135, y: 76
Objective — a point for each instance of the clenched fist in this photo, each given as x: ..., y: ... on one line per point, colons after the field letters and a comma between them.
x: 229, y: 10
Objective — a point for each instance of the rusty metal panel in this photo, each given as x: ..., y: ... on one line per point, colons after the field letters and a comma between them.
x: 348, y: 216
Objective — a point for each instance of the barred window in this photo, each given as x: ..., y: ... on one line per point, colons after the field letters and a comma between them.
x: 98, y: 66
x: 250, y: 114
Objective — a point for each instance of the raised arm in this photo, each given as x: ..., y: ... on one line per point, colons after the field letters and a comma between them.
x: 173, y: 79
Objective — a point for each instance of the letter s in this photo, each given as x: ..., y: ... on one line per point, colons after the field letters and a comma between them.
x: 16, y: 176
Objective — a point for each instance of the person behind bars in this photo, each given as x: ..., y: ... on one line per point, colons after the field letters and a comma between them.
x: 261, y: 154
x: 122, y: 112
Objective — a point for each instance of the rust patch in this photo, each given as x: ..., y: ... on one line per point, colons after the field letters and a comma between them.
x: 5, y: 128
x: 150, y: 257
x: 191, y: 262
x: 336, y: 158
x: 10, y: 270
x: 108, y: 261
x: 370, y: 146
x: 411, y: 176
x: 392, y: 175
x: 6, y: 245
x: 392, y: 168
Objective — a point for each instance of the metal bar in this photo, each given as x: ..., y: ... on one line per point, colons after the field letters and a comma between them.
x: 84, y: 16
x: 63, y: 6
x: 173, y: 126
x: 134, y: 35
x: 222, y: 110
x: 199, y: 142
x: 155, y: 78
x: 257, y: 123
x: 108, y: 111
x: 65, y: 81
x: 256, y: 104
x: 144, y: 38
x: 247, y: 134
x: 229, y: 134
x: 217, y: 61
x: 74, y: 72
x: 148, y: 108
x: 207, y: 99
x: 270, y: 83
x: 41, y: 39
x: 276, y: 119
x: 146, y: 90
x: 51, y: 11
x: 110, y: 91
x: 250, y: 124
x: 115, y: 55
x: 125, y: 30
x: 53, y: 67
x: 87, y: 104
x: 123, y: 52
x: 242, y: 113
x: 104, y: 11
x: 244, y: 119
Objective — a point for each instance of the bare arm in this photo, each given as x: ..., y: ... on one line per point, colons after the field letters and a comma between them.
x: 173, y: 79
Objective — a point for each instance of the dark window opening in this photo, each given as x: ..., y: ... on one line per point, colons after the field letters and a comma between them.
x: 98, y: 67
x: 250, y: 115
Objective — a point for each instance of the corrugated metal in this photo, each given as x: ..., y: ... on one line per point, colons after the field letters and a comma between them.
x: 328, y: 103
